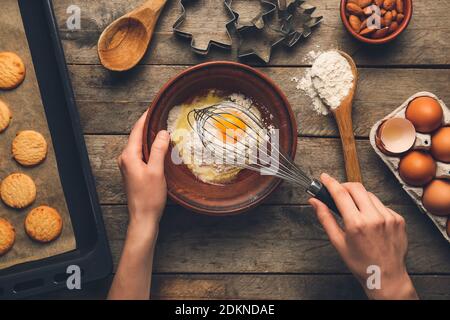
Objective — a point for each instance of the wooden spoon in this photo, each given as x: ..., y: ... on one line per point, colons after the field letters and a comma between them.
x: 343, y: 116
x: 124, y: 42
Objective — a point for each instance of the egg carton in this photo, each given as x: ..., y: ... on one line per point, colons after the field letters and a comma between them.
x: 423, y: 142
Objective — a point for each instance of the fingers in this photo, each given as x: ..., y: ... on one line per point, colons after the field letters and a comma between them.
x: 158, y: 151
x: 328, y: 222
x: 379, y: 205
x: 360, y: 197
x: 341, y: 197
x: 134, y: 145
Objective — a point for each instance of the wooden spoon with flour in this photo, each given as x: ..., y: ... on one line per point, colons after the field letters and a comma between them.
x: 341, y: 107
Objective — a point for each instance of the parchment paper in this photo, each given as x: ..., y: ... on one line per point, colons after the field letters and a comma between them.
x: 28, y: 113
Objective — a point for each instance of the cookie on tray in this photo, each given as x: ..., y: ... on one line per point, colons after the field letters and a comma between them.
x: 7, y: 236
x: 29, y: 148
x: 5, y: 116
x: 43, y: 224
x: 18, y: 190
x: 12, y: 70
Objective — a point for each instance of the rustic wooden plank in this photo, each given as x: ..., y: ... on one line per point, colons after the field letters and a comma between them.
x: 286, y: 287
x: 104, y: 149
x: 111, y: 103
x: 268, y: 239
x: 254, y: 286
x: 425, y: 41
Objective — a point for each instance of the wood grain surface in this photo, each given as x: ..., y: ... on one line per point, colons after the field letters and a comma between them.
x: 277, y: 250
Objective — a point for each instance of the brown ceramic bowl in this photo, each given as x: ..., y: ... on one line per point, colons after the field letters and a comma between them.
x: 249, y: 188
x: 408, y: 10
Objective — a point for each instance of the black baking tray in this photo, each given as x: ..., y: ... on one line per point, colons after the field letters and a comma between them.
x: 92, y: 254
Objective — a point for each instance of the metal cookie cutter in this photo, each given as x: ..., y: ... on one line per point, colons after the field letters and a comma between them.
x: 300, y: 22
x: 288, y: 24
x: 213, y: 29
x: 259, y: 42
x: 251, y: 12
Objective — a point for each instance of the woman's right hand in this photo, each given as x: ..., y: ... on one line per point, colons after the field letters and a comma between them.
x: 373, y: 238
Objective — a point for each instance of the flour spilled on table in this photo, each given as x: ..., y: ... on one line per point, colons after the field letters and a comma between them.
x: 327, y: 82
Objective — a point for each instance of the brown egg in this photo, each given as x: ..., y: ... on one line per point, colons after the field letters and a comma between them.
x: 417, y: 168
x: 436, y: 197
x: 425, y: 113
x: 440, y: 144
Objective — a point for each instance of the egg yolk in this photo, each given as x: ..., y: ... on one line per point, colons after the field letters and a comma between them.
x: 231, y: 123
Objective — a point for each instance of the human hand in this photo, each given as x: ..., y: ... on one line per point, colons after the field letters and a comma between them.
x: 372, y: 235
x: 145, y: 184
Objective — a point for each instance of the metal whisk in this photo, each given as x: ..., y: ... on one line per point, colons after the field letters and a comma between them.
x: 251, y: 133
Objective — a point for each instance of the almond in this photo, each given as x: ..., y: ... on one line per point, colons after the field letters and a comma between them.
x: 354, y: 9
x: 393, y: 27
x: 379, y: 2
x: 389, y: 4
x: 363, y: 25
x: 368, y: 11
x: 355, y: 23
x: 394, y: 15
x: 399, y: 5
x: 364, y: 3
x: 400, y: 18
x: 383, y: 12
x: 388, y: 18
x: 380, y: 33
x: 366, y: 31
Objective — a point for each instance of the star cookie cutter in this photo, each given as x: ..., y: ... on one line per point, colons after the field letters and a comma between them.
x: 206, y: 36
x: 251, y: 18
x: 260, y: 42
x: 288, y: 24
x: 300, y: 22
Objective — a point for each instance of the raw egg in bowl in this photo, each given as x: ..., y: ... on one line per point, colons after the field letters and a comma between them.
x: 210, y: 189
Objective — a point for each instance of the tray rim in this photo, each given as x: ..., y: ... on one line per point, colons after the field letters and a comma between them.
x: 100, y: 251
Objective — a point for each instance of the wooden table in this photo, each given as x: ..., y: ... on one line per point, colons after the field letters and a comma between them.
x: 278, y: 250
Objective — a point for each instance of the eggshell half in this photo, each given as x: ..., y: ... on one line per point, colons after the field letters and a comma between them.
x: 397, y: 135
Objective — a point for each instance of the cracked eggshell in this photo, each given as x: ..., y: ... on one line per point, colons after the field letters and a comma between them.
x: 396, y: 136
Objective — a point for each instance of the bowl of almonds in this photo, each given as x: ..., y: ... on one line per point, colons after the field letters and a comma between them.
x: 376, y: 21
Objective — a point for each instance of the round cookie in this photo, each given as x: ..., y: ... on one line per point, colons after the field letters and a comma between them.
x: 18, y: 190
x: 12, y: 70
x: 43, y: 224
x: 7, y: 236
x: 29, y: 148
x: 5, y: 116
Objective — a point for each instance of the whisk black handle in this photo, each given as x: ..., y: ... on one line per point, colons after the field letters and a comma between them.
x: 318, y: 191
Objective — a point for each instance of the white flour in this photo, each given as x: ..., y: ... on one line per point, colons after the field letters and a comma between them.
x: 328, y: 81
